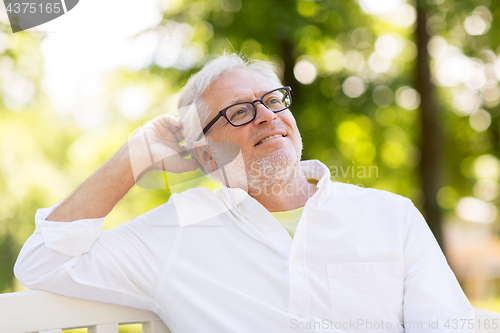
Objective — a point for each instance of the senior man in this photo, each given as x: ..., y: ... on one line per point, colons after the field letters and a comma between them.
x: 279, y: 248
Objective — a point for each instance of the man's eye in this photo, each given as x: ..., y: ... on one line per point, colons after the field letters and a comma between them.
x: 238, y: 114
x: 273, y: 101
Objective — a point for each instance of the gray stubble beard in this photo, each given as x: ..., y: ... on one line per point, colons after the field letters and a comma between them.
x: 277, y: 170
x: 263, y: 174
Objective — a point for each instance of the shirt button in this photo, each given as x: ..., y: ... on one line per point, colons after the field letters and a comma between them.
x: 297, y: 314
x: 294, y: 260
x: 260, y: 215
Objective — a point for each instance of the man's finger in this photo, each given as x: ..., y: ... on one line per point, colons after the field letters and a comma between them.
x: 178, y: 135
x: 172, y: 122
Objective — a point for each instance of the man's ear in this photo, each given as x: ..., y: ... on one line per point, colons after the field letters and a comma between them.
x: 203, y: 154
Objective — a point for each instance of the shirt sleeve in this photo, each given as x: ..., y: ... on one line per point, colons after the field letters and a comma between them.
x: 121, y: 265
x: 433, y: 298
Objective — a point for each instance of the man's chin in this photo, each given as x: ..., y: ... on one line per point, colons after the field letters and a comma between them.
x: 280, y: 159
x: 276, y: 167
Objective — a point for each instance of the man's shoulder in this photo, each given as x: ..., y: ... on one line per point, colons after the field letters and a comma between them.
x: 178, y: 205
x: 197, y: 205
x: 356, y: 195
x: 359, y: 190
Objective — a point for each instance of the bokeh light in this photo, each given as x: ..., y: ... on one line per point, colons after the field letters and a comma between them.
x: 378, y: 63
x: 475, y: 25
x: 333, y: 60
x: 407, y: 98
x: 19, y: 90
x: 380, y: 7
x: 132, y: 102
x: 465, y: 102
x: 478, y: 22
x: 305, y: 71
x: 486, y: 189
x: 487, y: 167
x: 353, y: 87
x: 447, y: 197
x: 476, y: 210
x: 354, y: 61
x: 480, y: 120
x: 4, y: 42
x: 389, y: 45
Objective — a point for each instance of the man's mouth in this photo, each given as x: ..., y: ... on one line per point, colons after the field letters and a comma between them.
x: 269, y: 138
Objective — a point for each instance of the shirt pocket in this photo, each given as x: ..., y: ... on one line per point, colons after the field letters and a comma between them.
x: 366, y: 292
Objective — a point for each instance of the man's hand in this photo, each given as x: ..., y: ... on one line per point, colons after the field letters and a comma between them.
x: 156, y: 146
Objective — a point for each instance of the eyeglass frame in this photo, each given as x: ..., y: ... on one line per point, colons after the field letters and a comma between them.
x: 222, y: 113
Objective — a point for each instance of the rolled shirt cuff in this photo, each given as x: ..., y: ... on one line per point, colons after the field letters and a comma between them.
x: 69, y: 238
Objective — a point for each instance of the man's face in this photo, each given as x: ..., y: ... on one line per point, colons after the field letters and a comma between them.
x: 282, y: 151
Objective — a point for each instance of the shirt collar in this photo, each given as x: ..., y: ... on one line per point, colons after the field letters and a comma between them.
x: 313, y: 169
x: 211, y: 204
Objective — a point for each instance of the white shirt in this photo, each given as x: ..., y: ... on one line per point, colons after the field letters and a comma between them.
x: 361, y: 260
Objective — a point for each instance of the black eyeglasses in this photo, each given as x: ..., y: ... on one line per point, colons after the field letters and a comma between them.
x: 242, y: 113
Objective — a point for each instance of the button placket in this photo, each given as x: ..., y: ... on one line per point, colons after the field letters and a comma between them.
x: 298, y: 283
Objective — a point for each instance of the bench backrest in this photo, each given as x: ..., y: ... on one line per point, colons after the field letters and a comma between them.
x: 41, y: 311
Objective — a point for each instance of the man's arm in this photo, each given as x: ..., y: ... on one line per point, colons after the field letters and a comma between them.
x: 97, y: 196
x: 432, y: 295
x: 78, y: 259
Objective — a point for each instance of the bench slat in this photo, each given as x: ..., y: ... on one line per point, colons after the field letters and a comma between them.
x: 154, y: 327
x: 109, y: 328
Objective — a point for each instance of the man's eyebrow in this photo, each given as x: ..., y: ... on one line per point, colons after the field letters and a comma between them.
x: 235, y: 101
x: 243, y: 99
x: 238, y: 100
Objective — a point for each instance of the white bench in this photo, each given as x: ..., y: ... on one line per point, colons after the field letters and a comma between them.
x: 44, y: 312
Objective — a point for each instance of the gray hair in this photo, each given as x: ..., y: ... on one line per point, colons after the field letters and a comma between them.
x: 193, y: 110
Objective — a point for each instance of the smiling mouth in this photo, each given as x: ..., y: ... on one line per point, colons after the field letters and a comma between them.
x: 269, y: 138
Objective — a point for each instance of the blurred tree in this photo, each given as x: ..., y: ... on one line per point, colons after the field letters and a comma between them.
x: 431, y: 138
x: 461, y: 130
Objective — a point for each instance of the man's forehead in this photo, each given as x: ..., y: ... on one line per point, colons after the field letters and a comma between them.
x: 239, y: 84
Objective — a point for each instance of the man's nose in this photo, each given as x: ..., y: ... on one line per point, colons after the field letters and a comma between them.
x: 263, y: 114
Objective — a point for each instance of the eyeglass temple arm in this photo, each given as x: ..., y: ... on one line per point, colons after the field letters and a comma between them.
x: 210, y: 124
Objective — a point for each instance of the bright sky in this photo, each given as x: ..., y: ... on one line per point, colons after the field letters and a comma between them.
x: 92, y: 38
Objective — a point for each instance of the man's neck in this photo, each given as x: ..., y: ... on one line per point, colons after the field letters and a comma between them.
x: 279, y: 196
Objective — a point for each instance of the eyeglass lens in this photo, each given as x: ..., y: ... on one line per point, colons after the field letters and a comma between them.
x: 242, y: 113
